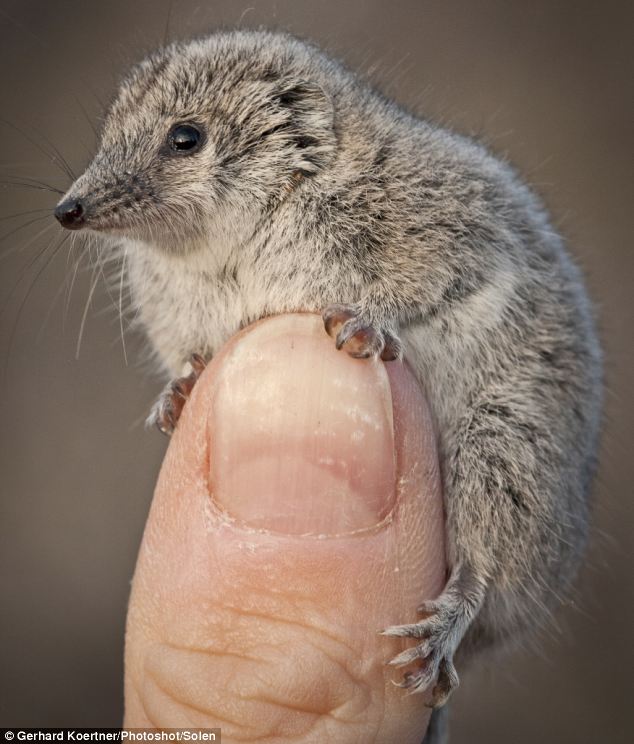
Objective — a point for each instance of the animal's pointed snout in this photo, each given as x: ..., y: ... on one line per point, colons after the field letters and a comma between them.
x: 70, y: 214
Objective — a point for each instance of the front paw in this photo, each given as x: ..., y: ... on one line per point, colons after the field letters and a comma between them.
x: 361, y: 338
x: 169, y: 406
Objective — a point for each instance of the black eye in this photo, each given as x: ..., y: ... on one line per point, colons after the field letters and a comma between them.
x: 184, y: 138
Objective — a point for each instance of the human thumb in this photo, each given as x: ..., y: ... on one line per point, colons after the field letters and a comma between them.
x: 298, y: 512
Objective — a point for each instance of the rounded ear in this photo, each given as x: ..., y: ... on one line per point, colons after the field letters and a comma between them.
x: 312, y: 117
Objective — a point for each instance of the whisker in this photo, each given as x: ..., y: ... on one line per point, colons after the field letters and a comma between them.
x: 29, y: 179
x: 95, y: 279
x: 50, y: 52
x: 88, y: 119
x: 23, y: 214
x: 64, y: 162
x: 39, y: 273
x: 63, y: 166
x: 123, y: 261
x: 23, y: 246
x: 58, y: 294
x: 36, y: 187
x: 21, y: 227
x: 78, y: 261
x: 166, y: 32
x: 100, y: 266
x: 22, y: 273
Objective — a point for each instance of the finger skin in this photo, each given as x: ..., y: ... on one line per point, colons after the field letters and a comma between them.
x: 271, y: 633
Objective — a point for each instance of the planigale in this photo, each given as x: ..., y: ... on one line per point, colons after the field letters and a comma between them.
x: 247, y: 174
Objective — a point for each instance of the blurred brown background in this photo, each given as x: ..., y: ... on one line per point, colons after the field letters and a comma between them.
x: 547, y: 82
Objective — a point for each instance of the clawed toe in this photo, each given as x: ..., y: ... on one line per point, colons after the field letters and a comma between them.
x: 361, y: 341
x: 421, y: 679
x: 446, y: 683
x: 167, y: 410
x: 392, y: 348
x: 410, y: 655
x: 358, y: 336
x: 418, y: 680
x: 334, y: 316
x: 436, y: 668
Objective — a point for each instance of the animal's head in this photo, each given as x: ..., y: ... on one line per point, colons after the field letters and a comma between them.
x: 203, y: 135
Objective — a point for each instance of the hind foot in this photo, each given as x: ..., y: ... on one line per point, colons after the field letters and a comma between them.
x: 440, y: 633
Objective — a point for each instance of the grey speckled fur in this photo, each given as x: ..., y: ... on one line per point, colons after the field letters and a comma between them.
x: 312, y: 189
